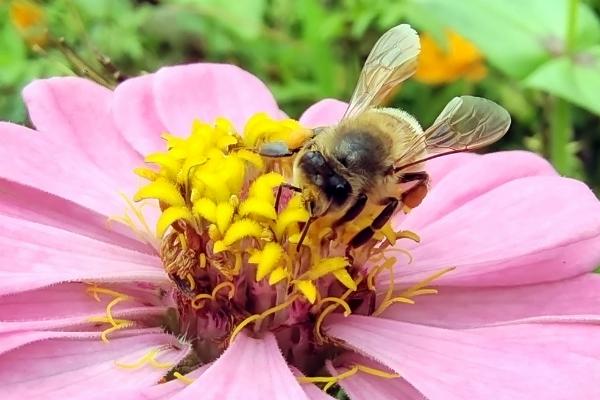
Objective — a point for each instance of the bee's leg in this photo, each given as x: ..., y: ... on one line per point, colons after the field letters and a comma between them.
x: 353, y: 211
x: 413, y: 196
x: 304, y: 232
x: 367, y: 233
x: 280, y: 189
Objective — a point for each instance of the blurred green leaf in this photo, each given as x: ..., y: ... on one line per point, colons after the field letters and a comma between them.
x: 244, y: 19
x: 574, y: 79
x: 12, y: 55
x: 516, y: 37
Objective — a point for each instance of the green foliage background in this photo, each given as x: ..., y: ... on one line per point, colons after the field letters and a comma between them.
x: 543, y: 56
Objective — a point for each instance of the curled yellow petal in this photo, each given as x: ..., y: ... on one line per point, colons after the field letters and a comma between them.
x: 242, y: 229
x: 288, y: 217
x: 146, y: 173
x: 225, y: 141
x: 308, y: 289
x: 171, y: 215
x: 219, y: 246
x: 206, y: 208
x: 326, y: 266
x: 253, y: 158
x: 224, y: 214
x: 267, y: 258
x: 344, y: 277
x: 163, y: 190
x: 167, y: 163
x: 252, y: 135
x: 263, y: 186
x: 258, y: 207
x: 277, y: 275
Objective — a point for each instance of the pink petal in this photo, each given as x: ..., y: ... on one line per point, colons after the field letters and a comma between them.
x: 70, y: 305
x: 159, y: 391
x: 474, y: 178
x: 35, y: 255
x: 312, y: 391
x: 446, y: 364
x: 136, y: 116
x: 230, y: 377
x: 529, y: 230
x: 579, y: 338
x: 439, y: 168
x: 464, y: 307
x: 74, y: 365
x: 323, y: 113
x: 39, y: 161
x: 363, y: 386
x: 22, y: 202
x: 206, y: 91
x: 75, y: 114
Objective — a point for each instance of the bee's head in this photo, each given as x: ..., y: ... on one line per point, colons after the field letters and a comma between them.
x: 325, y: 189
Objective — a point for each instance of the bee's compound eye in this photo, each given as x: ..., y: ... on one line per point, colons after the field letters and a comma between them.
x: 341, y: 189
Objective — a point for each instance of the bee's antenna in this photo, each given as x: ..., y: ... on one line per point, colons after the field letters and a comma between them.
x: 304, y: 232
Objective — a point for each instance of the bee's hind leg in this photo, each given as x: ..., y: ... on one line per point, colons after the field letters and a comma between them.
x: 413, y: 196
x: 367, y: 233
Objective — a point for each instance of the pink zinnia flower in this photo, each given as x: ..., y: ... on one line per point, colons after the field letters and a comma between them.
x: 499, y: 300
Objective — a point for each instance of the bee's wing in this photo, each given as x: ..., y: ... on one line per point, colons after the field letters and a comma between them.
x: 392, y: 60
x: 466, y: 123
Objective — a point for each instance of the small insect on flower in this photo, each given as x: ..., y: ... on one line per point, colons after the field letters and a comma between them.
x: 374, y: 156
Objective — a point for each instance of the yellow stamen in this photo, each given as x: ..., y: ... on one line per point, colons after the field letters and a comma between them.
x: 409, y: 292
x: 222, y: 285
x: 353, y: 370
x: 191, y: 281
x: 317, y: 328
x: 390, y: 290
x: 138, y: 213
x: 94, y: 290
x: 148, y: 358
x: 109, y: 307
x: 405, y: 296
x: 374, y: 272
x: 106, y: 332
x: 242, y: 325
x: 105, y: 320
x: 196, y: 305
x: 341, y: 302
x: 423, y: 291
x: 381, y: 251
x: 202, y: 260
x: 329, y: 380
x: 408, y: 235
x: 238, y: 263
x: 263, y: 315
x: 376, y: 372
x: 384, y: 305
x: 183, y: 378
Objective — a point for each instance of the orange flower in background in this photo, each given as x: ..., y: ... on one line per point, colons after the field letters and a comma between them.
x: 461, y: 59
x: 30, y: 20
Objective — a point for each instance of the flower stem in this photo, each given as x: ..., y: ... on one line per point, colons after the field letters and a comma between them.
x: 561, y: 120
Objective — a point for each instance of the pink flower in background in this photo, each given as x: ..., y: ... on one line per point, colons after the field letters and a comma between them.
x: 86, y: 305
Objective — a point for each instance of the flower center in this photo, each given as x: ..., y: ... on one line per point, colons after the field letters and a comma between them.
x: 229, y: 236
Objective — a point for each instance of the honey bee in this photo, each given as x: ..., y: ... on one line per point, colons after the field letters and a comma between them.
x: 376, y: 155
